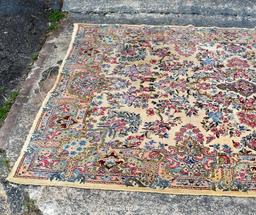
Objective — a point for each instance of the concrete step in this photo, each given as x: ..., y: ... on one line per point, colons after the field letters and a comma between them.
x: 14, y: 7
x: 196, y: 7
x: 224, y: 13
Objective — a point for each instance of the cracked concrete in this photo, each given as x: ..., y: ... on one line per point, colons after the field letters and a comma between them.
x: 221, y: 13
x: 225, y: 7
x: 67, y: 201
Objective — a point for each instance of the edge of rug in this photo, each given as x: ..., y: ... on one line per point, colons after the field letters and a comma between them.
x: 165, y: 25
x: 11, y: 177
x: 108, y: 187
x: 98, y: 186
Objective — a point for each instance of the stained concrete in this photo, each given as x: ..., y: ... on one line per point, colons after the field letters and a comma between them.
x: 23, y: 28
x: 22, y: 32
x: 221, y: 13
x: 69, y: 201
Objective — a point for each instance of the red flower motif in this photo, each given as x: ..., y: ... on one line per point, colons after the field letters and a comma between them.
x: 185, y: 132
x: 236, y: 144
x: 150, y: 112
x: 248, y: 119
x: 224, y: 158
x: 240, y: 73
x: 253, y: 144
x: 99, y: 110
x: 237, y: 62
x: 203, y: 86
x: 134, y: 141
x: 153, y: 61
x: 250, y: 102
x: 154, y: 154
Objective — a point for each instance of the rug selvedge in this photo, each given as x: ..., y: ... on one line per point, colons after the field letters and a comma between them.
x: 149, y: 106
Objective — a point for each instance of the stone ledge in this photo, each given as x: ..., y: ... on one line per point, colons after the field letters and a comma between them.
x: 220, y: 13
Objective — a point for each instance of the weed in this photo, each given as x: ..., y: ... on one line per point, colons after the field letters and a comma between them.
x: 34, y: 56
x: 6, y: 106
x: 30, y: 207
x: 54, y: 17
x: 53, y: 26
x: 5, y: 162
x: 1, y: 90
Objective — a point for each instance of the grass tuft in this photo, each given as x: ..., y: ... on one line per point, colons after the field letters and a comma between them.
x: 6, y: 106
x: 1, y: 90
x: 5, y: 162
x: 34, y: 56
x: 54, y: 17
x: 30, y: 207
x: 53, y: 26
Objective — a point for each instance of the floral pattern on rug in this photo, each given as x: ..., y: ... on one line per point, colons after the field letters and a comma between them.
x: 154, y: 107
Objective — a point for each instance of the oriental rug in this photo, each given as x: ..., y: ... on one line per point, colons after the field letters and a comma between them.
x: 168, y: 109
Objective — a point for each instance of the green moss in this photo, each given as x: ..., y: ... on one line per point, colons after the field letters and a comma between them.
x: 53, y: 26
x: 30, y: 207
x: 6, y: 106
x: 54, y: 17
x: 1, y: 90
x: 5, y: 162
x: 34, y: 56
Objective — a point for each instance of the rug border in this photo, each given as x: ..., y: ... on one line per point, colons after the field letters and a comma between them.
x: 95, y: 186
x: 174, y: 191
x: 11, y: 177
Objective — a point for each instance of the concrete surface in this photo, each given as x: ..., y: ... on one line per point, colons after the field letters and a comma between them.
x: 71, y: 201
x: 222, y: 13
x: 23, y: 28
x: 22, y: 32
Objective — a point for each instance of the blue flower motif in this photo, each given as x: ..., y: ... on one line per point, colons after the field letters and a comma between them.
x: 150, y: 145
x: 79, y: 149
x: 106, y: 178
x: 215, y: 146
x: 215, y: 116
x: 75, y: 147
x: 242, y: 128
x: 82, y: 142
x: 73, y: 153
x: 166, y: 135
x: 226, y: 148
x: 151, y: 142
x: 208, y: 61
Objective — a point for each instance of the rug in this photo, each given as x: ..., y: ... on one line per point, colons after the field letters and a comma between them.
x: 168, y: 109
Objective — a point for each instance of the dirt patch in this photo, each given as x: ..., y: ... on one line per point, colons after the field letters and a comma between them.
x: 23, y: 29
